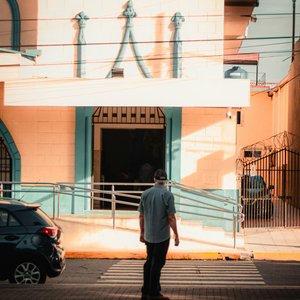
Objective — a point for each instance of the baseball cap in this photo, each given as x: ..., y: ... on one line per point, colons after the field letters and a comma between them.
x: 160, y: 174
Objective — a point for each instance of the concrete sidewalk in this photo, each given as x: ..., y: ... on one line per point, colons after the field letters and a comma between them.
x: 95, y: 292
x: 91, y: 240
x: 273, y: 244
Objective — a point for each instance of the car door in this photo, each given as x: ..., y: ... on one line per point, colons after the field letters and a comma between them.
x: 11, y: 234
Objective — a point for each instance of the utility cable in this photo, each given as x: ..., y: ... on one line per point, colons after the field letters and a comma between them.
x: 155, y: 42
x: 153, y: 17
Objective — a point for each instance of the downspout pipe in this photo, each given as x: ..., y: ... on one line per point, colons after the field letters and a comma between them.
x: 293, y: 34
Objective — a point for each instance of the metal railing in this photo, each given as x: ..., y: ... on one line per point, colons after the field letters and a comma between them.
x: 190, y: 202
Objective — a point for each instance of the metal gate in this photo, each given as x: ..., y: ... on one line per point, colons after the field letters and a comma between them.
x: 5, y: 168
x: 270, y: 189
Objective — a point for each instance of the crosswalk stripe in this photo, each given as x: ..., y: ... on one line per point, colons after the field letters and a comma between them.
x: 185, y: 273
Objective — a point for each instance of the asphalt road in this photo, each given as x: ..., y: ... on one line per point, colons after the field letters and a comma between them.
x: 189, y: 279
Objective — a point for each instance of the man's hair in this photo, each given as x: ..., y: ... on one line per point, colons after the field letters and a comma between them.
x: 160, y: 175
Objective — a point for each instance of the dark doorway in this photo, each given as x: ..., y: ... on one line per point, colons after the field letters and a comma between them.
x: 131, y: 155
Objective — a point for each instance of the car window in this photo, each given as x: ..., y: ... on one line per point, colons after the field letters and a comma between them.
x: 7, y: 219
x: 3, y: 218
x: 12, y: 221
x: 34, y: 217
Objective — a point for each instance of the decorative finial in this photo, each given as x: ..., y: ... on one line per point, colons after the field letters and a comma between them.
x: 129, y: 13
x: 178, y: 19
x: 82, y: 18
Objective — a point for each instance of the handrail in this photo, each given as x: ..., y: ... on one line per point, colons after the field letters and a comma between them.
x: 204, y: 193
x: 210, y: 195
x: 91, y: 192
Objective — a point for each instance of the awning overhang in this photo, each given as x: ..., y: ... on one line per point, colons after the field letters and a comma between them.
x: 127, y: 92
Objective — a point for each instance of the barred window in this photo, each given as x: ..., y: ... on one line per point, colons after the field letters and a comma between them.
x: 5, y: 162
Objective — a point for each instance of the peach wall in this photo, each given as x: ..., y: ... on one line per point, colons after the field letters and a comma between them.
x: 294, y: 96
x: 280, y: 110
x: 45, y: 140
x: 10, y: 65
x: 211, y: 142
x: 256, y: 120
x: 286, y: 101
x: 6, y: 24
x: 29, y: 24
x: 208, y: 148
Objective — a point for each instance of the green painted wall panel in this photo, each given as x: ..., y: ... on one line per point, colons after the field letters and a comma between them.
x: 173, y: 143
x: 83, y: 153
x: 202, y: 208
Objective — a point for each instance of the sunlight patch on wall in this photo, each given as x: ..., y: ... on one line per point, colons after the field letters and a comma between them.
x: 209, y: 152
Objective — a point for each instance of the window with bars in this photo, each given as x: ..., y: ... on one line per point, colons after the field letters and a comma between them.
x: 5, y: 162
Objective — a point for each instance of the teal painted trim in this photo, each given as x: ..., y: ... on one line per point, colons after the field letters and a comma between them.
x: 83, y: 153
x: 16, y: 24
x: 120, y: 56
x: 13, y: 151
x: 81, y: 61
x: 83, y: 144
x: 29, y: 53
x: 128, y: 36
x: 177, y: 19
x: 173, y: 143
x: 83, y: 138
x: 138, y: 57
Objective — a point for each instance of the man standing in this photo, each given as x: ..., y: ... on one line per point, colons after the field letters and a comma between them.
x: 157, y: 215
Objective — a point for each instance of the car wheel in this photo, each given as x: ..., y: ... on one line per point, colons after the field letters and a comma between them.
x: 28, y: 272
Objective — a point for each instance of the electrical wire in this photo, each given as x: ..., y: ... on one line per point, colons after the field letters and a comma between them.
x: 153, y: 17
x: 268, y: 89
x: 158, y: 57
x: 156, y: 42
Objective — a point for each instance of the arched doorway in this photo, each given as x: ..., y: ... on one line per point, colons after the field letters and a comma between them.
x: 129, y: 144
x: 5, y: 168
x: 10, y: 158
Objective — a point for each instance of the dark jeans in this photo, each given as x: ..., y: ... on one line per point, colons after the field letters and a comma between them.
x: 156, y: 259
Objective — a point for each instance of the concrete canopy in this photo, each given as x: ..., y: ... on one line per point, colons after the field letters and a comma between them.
x: 126, y: 92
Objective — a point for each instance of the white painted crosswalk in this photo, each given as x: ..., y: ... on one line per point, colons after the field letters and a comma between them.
x: 186, y: 273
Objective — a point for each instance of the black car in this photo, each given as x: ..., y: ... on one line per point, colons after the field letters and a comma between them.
x: 256, y: 197
x: 30, y: 244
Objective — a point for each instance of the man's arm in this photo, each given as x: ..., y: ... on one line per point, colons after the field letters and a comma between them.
x: 142, y: 228
x: 173, y: 225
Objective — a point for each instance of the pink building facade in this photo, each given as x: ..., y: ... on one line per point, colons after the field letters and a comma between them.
x: 67, y: 116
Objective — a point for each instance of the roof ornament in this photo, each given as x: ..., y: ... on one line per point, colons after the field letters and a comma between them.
x: 81, y: 61
x: 177, y: 19
x: 129, y: 38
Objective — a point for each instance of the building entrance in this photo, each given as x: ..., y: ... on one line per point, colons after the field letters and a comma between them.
x: 129, y: 145
x: 131, y: 155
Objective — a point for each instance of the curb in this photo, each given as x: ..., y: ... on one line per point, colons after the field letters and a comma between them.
x: 283, y: 256
x: 277, y: 256
x: 142, y: 255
